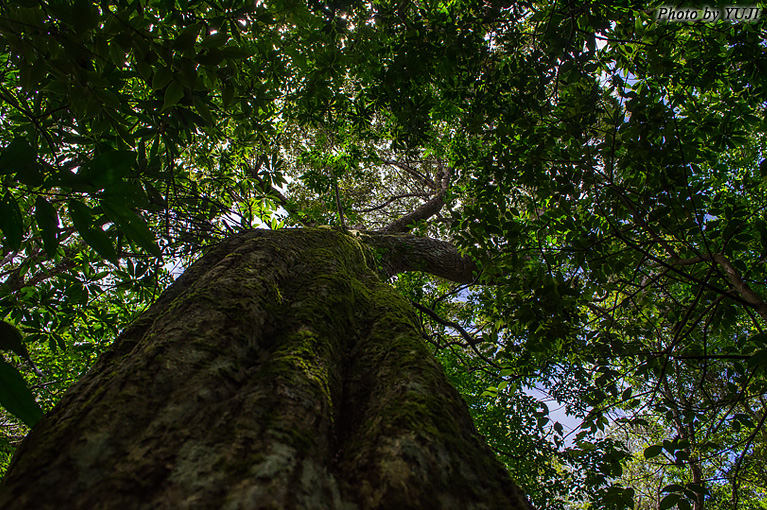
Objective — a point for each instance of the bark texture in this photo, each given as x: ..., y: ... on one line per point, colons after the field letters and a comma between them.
x: 398, y: 253
x: 277, y: 372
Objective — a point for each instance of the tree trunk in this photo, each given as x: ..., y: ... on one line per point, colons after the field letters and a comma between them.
x: 277, y: 372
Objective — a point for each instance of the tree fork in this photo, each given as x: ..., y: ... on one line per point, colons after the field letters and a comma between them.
x: 277, y: 372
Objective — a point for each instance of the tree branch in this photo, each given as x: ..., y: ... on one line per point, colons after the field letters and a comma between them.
x: 423, y: 212
x: 428, y: 209
x: 431, y: 313
x: 392, y: 199
x: 733, y: 276
x: 401, y: 252
x: 411, y: 171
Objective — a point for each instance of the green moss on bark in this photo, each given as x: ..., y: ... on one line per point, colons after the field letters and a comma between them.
x: 277, y: 372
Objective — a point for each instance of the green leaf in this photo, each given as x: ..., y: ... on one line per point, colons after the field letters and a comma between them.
x: 48, y: 221
x: 31, y: 75
x: 227, y: 94
x: 696, y: 488
x: 211, y: 57
x: 758, y: 360
x: 652, y: 451
x: 116, y: 53
x: 157, y: 201
x: 216, y: 40
x: 144, y: 69
x: 108, y: 168
x: 759, y: 339
x: 94, y: 236
x: 132, y: 225
x: 203, y: 110
x: 669, y: 501
x: 16, y: 397
x: 237, y: 52
x: 186, y: 39
x: 67, y: 179
x: 11, y: 340
x: 108, y: 97
x: 128, y: 193
x: 173, y: 94
x: 17, y: 156
x: 31, y: 176
x: 11, y: 222
x: 162, y: 77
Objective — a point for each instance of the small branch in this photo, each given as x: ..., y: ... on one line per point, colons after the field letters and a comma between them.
x: 431, y: 313
x: 282, y: 201
x: 742, y: 456
x: 469, y: 339
x: 59, y: 268
x: 338, y: 204
x: 412, y: 172
x: 705, y: 356
x: 392, y: 199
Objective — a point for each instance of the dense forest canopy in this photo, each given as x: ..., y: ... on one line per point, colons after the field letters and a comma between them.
x: 603, y: 168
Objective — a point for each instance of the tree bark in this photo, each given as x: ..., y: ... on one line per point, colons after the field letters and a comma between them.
x: 277, y: 372
x: 399, y: 253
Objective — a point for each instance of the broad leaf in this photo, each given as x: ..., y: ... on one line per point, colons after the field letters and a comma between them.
x: 132, y: 225
x: 162, y: 77
x: 173, y: 94
x: 16, y: 156
x: 94, y: 236
x: 11, y: 222
x: 48, y: 221
x: 16, y: 397
x: 108, y: 168
x: 653, y: 451
x: 669, y: 501
x: 11, y: 340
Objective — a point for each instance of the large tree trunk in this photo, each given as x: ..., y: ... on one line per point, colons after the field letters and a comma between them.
x: 277, y: 372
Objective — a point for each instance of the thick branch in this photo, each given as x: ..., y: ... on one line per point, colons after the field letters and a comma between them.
x: 424, y: 212
x: 428, y: 209
x: 733, y: 276
x: 400, y: 253
x: 740, y: 286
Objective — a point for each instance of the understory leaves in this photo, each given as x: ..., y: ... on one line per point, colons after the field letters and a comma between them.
x: 11, y: 222
x: 16, y: 397
x: 82, y: 218
x: 14, y: 394
x: 132, y: 225
x: 48, y: 220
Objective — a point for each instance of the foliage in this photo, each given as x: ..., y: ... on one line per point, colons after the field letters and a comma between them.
x: 602, y: 167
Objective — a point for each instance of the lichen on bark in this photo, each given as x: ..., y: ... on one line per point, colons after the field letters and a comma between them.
x: 279, y: 371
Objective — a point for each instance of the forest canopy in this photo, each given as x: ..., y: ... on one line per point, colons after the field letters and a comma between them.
x: 603, y: 167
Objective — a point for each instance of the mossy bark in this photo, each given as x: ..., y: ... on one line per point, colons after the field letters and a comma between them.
x: 277, y: 372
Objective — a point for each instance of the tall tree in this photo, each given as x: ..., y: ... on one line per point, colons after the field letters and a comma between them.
x: 278, y: 371
x: 600, y: 165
